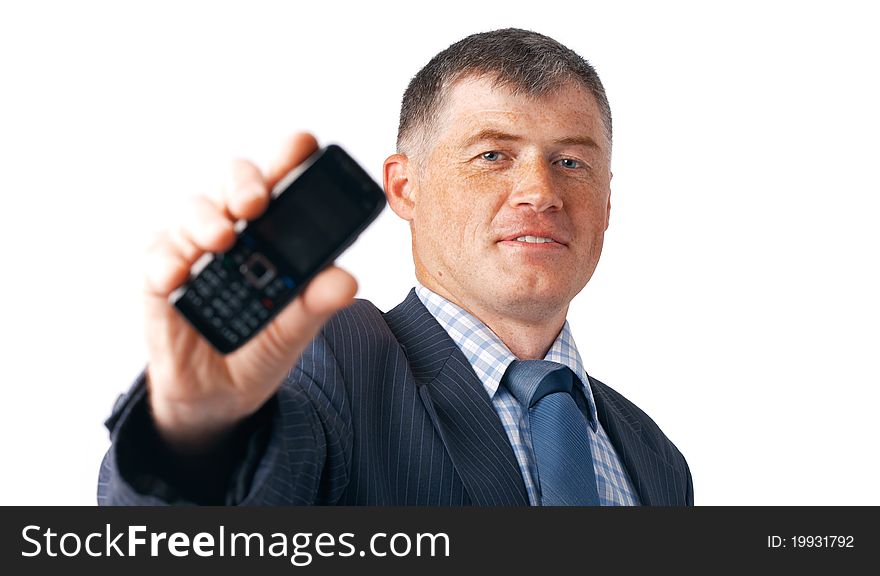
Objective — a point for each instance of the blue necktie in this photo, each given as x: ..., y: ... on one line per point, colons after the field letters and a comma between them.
x: 558, y: 428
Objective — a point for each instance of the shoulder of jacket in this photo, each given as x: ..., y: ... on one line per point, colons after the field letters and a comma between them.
x: 361, y: 321
x: 634, y: 415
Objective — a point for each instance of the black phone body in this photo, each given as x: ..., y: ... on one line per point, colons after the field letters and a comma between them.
x: 316, y: 212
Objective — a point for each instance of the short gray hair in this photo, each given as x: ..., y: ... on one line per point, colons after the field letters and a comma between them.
x: 520, y: 60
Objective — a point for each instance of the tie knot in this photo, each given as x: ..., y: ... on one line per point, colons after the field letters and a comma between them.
x: 531, y: 380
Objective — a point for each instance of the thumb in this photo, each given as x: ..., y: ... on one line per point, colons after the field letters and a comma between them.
x: 295, y: 326
x: 332, y: 289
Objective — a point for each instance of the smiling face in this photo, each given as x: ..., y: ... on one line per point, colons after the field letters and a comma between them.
x: 511, y: 200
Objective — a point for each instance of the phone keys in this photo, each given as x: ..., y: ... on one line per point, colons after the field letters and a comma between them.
x: 202, y: 290
x: 230, y: 336
x: 258, y: 309
x: 275, y: 288
x: 210, y: 277
x: 258, y: 270
x: 237, y: 292
x: 222, y: 309
x: 240, y: 327
x: 229, y: 262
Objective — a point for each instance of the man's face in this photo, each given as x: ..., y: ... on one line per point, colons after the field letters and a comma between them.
x: 511, y: 201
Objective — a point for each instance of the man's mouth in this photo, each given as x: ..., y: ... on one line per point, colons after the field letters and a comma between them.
x: 534, y: 239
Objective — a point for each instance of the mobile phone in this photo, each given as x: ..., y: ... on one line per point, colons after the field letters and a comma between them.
x: 315, y: 213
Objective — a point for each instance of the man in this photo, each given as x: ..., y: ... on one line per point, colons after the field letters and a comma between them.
x: 471, y: 391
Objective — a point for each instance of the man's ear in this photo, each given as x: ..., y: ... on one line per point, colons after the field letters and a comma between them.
x: 608, y: 209
x: 399, y: 187
x: 608, y: 213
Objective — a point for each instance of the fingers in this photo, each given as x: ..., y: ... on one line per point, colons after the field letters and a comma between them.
x: 294, y: 150
x: 204, y: 227
x: 247, y: 193
x: 209, y: 225
x: 332, y: 289
x: 165, y: 267
x: 299, y: 322
x: 245, y: 196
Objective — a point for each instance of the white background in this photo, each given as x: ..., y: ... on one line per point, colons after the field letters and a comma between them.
x: 736, y: 301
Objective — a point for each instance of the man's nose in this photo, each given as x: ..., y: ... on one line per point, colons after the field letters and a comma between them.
x: 535, y: 187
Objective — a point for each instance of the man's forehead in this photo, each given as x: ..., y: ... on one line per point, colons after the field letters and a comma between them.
x: 478, y: 105
x: 474, y: 89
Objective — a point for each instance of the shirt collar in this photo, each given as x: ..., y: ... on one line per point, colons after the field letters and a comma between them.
x: 489, y: 356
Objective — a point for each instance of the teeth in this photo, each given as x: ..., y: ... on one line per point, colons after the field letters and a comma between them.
x: 534, y: 239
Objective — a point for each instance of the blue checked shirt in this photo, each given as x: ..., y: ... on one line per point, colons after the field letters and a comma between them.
x: 490, y: 358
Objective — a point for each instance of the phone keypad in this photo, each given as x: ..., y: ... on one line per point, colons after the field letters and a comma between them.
x: 237, y: 292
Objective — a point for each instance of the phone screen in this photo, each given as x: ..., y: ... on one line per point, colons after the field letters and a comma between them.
x: 311, y: 219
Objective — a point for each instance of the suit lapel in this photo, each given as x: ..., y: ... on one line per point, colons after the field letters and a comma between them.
x: 459, y: 408
x: 653, y: 478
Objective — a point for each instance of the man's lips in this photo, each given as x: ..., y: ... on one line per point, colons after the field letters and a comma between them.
x: 536, y: 237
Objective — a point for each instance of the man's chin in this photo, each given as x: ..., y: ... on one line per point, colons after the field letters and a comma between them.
x: 536, y: 305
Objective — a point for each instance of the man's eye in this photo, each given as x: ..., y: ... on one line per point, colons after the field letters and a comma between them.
x: 569, y: 163
x: 490, y: 156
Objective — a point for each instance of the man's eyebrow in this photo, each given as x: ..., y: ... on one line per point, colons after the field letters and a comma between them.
x: 578, y: 141
x: 493, y: 134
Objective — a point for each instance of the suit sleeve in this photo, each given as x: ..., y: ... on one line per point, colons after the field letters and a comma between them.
x: 689, y: 497
x: 279, y: 456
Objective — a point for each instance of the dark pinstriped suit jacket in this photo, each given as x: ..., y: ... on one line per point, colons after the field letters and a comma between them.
x: 384, y: 409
